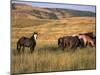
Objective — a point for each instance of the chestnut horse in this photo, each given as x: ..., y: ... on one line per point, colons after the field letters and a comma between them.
x: 87, y: 40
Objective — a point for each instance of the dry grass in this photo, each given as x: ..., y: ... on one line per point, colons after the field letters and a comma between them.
x: 47, y: 56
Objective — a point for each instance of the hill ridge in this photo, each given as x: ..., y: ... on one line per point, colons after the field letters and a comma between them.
x: 50, y: 13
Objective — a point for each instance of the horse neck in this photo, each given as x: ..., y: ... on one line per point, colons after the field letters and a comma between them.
x: 32, y: 37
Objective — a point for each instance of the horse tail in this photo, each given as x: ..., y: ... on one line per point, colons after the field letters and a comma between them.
x: 58, y: 41
x: 18, y: 46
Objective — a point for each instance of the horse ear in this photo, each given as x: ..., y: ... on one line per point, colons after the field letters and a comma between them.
x: 35, y: 33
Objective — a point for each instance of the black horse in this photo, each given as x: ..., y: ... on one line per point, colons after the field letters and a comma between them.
x: 27, y: 42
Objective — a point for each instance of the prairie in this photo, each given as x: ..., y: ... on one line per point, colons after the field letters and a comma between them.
x: 47, y: 56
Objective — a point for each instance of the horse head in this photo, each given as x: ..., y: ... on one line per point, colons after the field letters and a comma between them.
x: 35, y: 34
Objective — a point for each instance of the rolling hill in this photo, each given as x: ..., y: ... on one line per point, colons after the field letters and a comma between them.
x: 50, y: 23
x: 48, y: 13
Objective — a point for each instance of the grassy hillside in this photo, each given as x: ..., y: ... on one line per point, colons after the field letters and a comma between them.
x: 47, y: 56
x: 49, y: 13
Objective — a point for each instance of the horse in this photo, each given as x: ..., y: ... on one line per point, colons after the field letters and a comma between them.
x: 87, y: 40
x: 60, y: 41
x: 90, y: 34
x: 27, y: 42
x: 71, y: 42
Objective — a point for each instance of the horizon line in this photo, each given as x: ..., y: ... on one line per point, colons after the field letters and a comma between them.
x: 90, y: 8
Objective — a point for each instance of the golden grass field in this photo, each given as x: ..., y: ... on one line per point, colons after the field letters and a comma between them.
x: 47, y: 56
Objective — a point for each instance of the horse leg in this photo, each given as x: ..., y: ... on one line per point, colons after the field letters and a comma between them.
x: 92, y: 44
x: 85, y: 43
x: 74, y: 48
x: 18, y: 47
x: 32, y: 49
x: 23, y: 49
x: 63, y: 47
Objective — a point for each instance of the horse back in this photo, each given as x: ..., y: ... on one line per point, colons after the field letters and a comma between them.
x: 26, y: 41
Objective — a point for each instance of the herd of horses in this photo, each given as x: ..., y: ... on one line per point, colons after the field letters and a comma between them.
x: 69, y: 42
x: 78, y: 40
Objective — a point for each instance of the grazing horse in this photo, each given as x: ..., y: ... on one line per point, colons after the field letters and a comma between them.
x: 90, y: 34
x: 27, y: 42
x: 71, y: 42
x: 87, y: 40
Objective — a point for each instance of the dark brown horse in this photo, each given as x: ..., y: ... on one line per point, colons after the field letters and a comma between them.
x: 27, y: 42
x: 71, y: 42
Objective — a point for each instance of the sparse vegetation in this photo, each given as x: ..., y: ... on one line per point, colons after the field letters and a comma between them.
x: 47, y: 56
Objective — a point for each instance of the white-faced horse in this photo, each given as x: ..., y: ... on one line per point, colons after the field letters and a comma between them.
x: 27, y: 42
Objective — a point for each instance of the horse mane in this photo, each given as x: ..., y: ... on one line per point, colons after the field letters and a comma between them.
x: 32, y: 37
